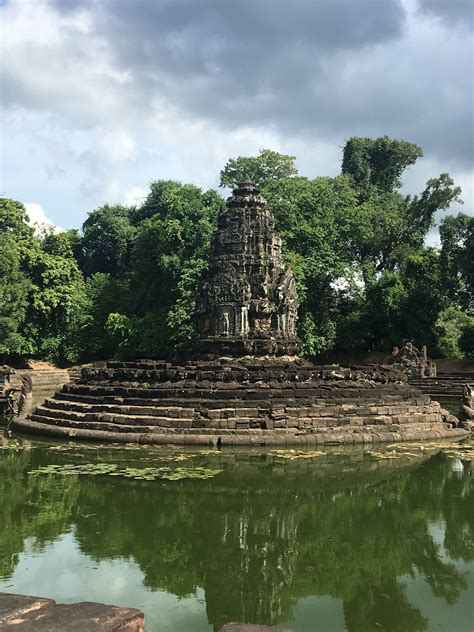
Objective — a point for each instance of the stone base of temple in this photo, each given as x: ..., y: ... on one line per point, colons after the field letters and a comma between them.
x: 236, y: 346
x: 247, y: 401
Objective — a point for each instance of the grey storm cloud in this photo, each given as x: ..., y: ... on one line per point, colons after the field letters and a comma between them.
x: 102, y: 96
x: 304, y: 68
x: 451, y: 11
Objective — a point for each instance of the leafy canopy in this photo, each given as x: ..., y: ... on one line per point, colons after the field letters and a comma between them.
x: 127, y: 283
x: 378, y: 162
x: 267, y: 167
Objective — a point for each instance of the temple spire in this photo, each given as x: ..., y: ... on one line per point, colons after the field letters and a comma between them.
x: 247, y: 299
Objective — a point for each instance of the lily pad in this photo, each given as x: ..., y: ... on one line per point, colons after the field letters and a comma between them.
x: 296, y: 454
x: 140, y: 474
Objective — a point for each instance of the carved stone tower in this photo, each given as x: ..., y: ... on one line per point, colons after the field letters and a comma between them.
x: 247, y: 299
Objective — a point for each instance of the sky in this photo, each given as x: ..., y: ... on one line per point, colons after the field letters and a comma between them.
x: 101, y: 97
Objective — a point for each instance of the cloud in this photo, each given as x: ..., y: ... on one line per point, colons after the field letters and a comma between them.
x: 115, y: 145
x: 134, y: 196
x: 38, y: 218
x: 453, y: 12
x: 103, y: 96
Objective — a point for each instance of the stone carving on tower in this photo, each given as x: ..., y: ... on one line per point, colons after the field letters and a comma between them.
x: 247, y: 300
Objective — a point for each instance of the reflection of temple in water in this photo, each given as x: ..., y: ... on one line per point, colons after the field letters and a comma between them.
x: 260, y: 558
x: 267, y: 533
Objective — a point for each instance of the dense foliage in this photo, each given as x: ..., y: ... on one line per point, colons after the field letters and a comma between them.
x: 367, y: 280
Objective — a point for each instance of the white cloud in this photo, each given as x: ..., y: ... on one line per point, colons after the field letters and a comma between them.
x: 38, y: 218
x: 115, y: 145
x: 134, y: 196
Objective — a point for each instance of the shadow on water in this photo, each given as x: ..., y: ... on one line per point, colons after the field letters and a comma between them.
x: 261, y: 537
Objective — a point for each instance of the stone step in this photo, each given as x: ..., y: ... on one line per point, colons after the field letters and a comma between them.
x: 437, y: 383
x: 415, y: 426
x: 229, y: 394
x: 231, y: 421
x: 283, y: 409
x: 440, y: 387
x: 90, y: 425
x: 101, y: 400
x: 44, y: 372
x: 164, y: 411
x: 256, y: 437
x: 122, y: 419
x: 240, y: 428
x: 110, y: 426
x: 47, y: 383
x: 103, y: 419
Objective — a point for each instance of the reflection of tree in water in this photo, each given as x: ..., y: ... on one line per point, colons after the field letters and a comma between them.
x: 455, y: 506
x: 31, y: 507
x: 374, y: 536
x: 259, y: 536
x: 257, y: 545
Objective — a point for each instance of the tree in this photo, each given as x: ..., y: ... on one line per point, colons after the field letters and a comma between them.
x: 420, y: 275
x: 310, y: 215
x: 169, y: 253
x: 41, y: 289
x: 56, y: 300
x: 356, y: 245
x: 13, y: 219
x: 457, y: 256
x: 107, y: 239
x: 357, y: 248
x: 454, y: 329
x: 17, y: 247
x: 267, y: 167
x: 149, y: 305
x: 14, y: 288
x: 378, y: 162
x: 466, y: 339
x: 438, y: 195
x: 102, y: 296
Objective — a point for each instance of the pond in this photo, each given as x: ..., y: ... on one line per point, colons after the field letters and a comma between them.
x: 355, y: 540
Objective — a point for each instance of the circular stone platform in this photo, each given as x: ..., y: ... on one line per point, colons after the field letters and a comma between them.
x: 240, y: 401
x: 247, y: 304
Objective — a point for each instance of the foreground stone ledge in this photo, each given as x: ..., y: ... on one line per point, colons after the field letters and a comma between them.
x: 216, y: 437
x: 23, y: 613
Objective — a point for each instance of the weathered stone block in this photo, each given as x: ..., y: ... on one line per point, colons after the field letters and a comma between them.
x: 35, y: 614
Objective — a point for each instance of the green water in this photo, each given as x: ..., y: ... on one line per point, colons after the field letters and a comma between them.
x: 339, y: 542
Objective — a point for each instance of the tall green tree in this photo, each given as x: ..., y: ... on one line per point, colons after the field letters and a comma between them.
x: 357, y: 247
x: 149, y: 304
x: 17, y: 247
x: 56, y: 300
x: 267, y: 167
x: 174, y: 230
x: 457, y: 256
x: 107, y: 239
x: 14, y: 288
x: 378, y: 162
x: 41, y: 286
x: 310, y: 215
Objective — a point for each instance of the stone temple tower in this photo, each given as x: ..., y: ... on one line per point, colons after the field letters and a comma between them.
x: 247, y: 301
